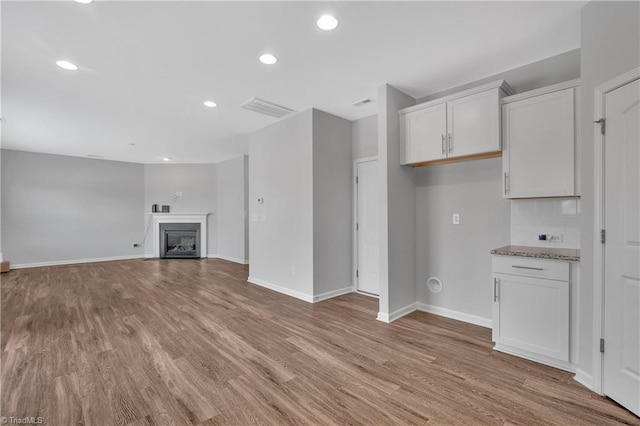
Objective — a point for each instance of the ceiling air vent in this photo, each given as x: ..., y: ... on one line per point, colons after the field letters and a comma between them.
x: 263, y: 107
x: 363, y: 102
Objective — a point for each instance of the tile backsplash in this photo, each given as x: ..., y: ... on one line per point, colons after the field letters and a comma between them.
x: 529, y: 218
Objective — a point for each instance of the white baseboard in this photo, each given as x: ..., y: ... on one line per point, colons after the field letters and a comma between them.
x: 460, y: 316
x: 76, y: 261
x: 283, y: 290
x: 542, y: 359
x: 1, y: 258
x: 584, y: 378
x: 388, y: 318
x: 229, y: 258
x: 334, y: 293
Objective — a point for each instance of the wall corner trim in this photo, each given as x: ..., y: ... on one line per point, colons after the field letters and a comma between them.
x: 280, y: 289
x: 388, y: 318
x: 229, y: 258
x: 584, y: 378
x: 334, y: 293
x: 456, y: 315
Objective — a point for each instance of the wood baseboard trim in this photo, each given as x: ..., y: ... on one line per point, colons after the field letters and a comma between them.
x: 75, y: 261
x: 280, y: 289
x: 399, y: 313
x: 561, y: 365
x: 584, y: 378
x: 456, y: 315
x: 332, y: 294
x: 229, y: 258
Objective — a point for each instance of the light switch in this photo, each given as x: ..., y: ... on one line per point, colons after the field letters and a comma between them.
x: 263, y: 218
x: 456, y: 219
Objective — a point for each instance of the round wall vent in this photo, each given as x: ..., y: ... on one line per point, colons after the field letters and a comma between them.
x: 434, y: 285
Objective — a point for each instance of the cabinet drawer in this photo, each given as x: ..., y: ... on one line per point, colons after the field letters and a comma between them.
x: 531, y: 267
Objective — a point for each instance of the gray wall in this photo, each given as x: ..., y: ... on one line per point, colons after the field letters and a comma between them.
x: 332, y: 203
x: 556, y: 69
x: 397, y: 207
x: 232, y: 209
x: 281, y: 229
x: 610, y: 33
x: 1, y: 255
x: 459, y: 254
x: 58, y: 208
x: 364, y: 137
x: 198, y: 184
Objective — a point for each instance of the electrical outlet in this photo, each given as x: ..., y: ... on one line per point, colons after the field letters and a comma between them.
x: 554, y: 238
x: 178, y: 193
x: 456, y: 219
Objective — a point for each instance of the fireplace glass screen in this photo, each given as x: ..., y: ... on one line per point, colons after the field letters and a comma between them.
x: 180, y: 240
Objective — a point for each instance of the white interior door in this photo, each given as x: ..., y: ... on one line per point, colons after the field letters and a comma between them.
x: 621, y: 380
x: 368, y: 247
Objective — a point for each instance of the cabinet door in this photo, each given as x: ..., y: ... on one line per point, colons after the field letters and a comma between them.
x: 532, y: 314
x: 423, y: 133
x: 473, y: 124
x: 538, y: 157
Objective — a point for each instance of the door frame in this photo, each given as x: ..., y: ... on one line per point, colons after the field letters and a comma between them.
x: 598, y: 254
x: 354, y: 278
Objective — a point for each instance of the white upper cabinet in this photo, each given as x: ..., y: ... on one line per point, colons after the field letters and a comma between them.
x: 539, y: 142
x: 473, y: 124
x: 428, y: 125
x: 457, y: 127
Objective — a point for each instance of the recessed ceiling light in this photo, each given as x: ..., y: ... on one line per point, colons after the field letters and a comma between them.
x: 327, y: 22
x: 84, y: 1
x: 268, y: 59
x: 67, y: 65
x: 210, y: 104
x: 166, y: 159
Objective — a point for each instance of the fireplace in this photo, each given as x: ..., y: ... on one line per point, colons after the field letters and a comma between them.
x: 180, y: 241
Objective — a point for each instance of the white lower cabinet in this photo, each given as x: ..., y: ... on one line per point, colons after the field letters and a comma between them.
x: 531, y: 309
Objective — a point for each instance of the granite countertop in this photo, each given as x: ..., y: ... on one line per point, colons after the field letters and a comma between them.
x: 539, y: 252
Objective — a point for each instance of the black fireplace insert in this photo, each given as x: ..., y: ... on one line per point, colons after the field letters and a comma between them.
x: 180, y: 241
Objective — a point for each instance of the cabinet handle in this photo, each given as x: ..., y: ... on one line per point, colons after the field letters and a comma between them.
x: 527, y: 267
x: 450, y: 142
x: 495, y: 289
x: 443, y: 148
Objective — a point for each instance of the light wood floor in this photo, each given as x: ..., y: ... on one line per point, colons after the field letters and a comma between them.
x: 190, y: 342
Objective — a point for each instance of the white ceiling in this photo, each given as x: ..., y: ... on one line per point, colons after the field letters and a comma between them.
x: 146, y: 67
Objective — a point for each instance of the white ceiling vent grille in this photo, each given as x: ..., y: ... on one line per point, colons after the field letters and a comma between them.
x: 363, y: 102
x: 264, y: 107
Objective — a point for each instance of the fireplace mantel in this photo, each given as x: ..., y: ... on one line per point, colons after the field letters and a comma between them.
x: 159, y: 218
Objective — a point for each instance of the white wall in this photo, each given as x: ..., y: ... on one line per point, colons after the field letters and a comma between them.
x: 529, y: 218
x: 232, y: 210
x: 459, y: 254
x: 64, y: 209
x: 364, y: 137
x: 397, y: 209
x: 610, y: 34
x: 281, y: 228
x: 332, y: 204
x: 198, y: 184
